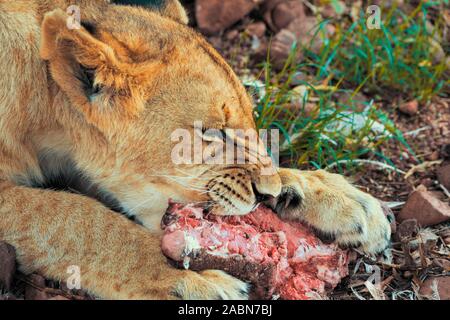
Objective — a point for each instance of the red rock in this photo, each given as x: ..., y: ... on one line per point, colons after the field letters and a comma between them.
x: 409, y: 108
x: 443, y: 174
x: 408, y: 228
x: 427, y: 182
x: 281, y: 47
x: 267, y: 9
x: 35, y: 290
x: 305, y: 30
x: 214, y: 16
x: 232, y: 34
x: 301, y: 31
x: 425, y: 208
x: 442, y: 284
x: 286, y: 12
x: 257, y: 29
x: 357, y: 102
x: 7, y: 265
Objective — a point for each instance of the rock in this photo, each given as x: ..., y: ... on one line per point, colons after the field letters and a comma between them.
x: 308, y: 110
x: 214, y: 16
x: 35, y: 291
x: 232, y: 34
x: 301, y: 31
x: 285, y: 12
x: 437, y: 51
x: 434, y: 156
x: 300, y: 78
x: 408, y: 228
x: 427, y: 182
x: 267, y: 9
x: 358, y: 102
x: 433, y: 285
x: 425, y: 207
x: 443, y: 174
x: 281, y: 47
x: 7, y: 265
x: 409, y: 108
x: 257, y: 29
x: 306, y: 31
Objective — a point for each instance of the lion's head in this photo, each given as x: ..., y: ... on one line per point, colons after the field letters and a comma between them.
x: 131, y: 78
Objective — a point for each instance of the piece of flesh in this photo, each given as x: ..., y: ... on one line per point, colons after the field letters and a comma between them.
x: 281, y: 259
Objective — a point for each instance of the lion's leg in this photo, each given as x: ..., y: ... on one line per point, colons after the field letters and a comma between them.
x: 118, y: 259
x: 334, y: 207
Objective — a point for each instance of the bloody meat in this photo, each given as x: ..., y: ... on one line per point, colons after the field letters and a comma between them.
x: 281, y: 259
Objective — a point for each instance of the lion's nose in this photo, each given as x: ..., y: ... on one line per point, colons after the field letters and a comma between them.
x: 261, y: 197
x: 266, y: 187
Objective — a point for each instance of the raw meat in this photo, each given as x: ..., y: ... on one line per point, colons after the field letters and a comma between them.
x: 281, y: 259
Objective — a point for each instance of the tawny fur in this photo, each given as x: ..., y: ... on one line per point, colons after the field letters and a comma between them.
x: 155, y: 75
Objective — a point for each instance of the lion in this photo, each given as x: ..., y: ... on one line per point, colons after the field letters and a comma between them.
x: 95, y: 105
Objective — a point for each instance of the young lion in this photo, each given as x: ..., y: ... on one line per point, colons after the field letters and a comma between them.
x: 98, y: 104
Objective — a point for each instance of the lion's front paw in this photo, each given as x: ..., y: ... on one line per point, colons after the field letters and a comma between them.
x: 211, y: 285
x: 333, y: 207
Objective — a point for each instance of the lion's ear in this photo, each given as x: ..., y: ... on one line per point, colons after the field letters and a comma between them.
x: 90, y: 72
x: 167, y: 8
x: 174, y: 10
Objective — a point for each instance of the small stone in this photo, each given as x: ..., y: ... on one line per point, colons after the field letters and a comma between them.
x: 306, y: 32
x: 425, y: 208
x: 281, y: 48
x: 408, y: 228
x: 409, y: 108
x: 7, y: 265
x: 214, y: 16
x: 268, y: 7
x: 257, y: 29
x: 434, y: 156
x: 357, y: 102
x: 443, y: 174
x: 427, y: 182
x: 233, y: 34
x: 285, y: 12
x: 436, y: 287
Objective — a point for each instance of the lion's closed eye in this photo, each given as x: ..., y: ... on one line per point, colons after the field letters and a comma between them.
x: 213, y: 135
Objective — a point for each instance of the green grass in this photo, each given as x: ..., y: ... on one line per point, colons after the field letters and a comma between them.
x: 399, y: 57
x: 396, y: 61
